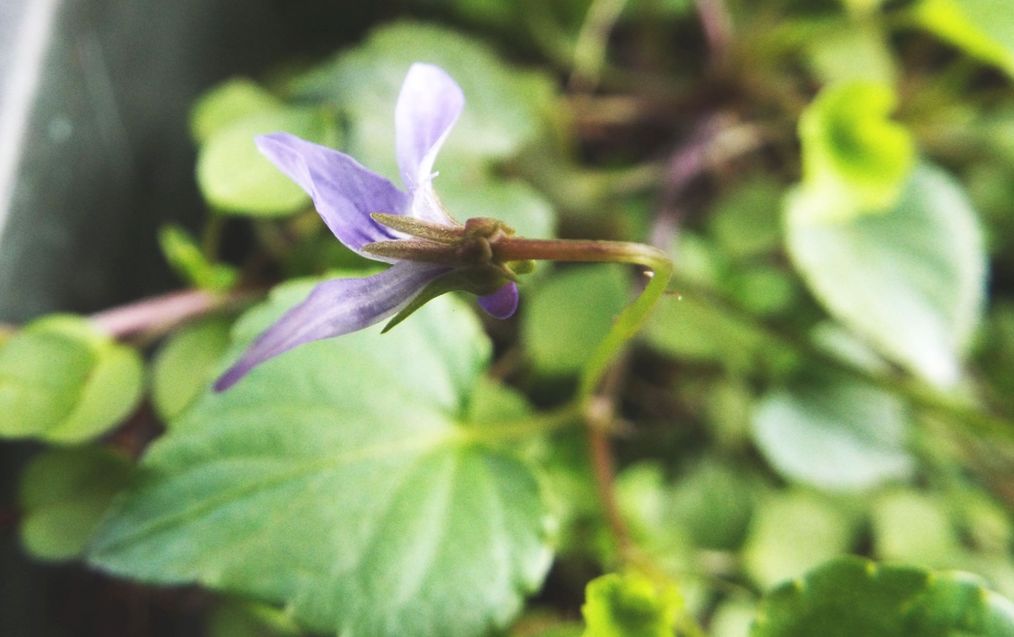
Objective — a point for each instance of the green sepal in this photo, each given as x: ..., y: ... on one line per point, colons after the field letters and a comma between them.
x: 526, y: 266
x: 422, y: 250
x: 439, y: 232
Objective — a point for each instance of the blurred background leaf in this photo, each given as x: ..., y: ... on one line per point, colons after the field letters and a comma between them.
x: 829, y: 373
x: 334, y: 457
x: 856, y: 597
x: 236, y: 179
x: 63, y: 381
x: 911, y: 279
x: 64, y: 494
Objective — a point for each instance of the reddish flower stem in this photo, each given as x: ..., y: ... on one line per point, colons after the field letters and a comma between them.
x: 717, y: 25
x: 518, y: 249
x: 157, y: 315
x: 603, y: 467
x: 600, y: 419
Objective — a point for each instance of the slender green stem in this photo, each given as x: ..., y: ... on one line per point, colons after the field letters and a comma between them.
x: 633, y: 316
x: 625, y: 327
x: 595, y: 371
x: 564, y: 416
x: 592, y: 42
x: 557, y: 46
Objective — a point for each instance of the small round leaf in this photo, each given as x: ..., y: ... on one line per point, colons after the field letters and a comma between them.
x: 851, y: 596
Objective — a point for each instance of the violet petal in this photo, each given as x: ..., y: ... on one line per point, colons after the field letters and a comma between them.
x: 428, y: 106
x: 333, y: 308
x: 502, y: 303
x: 343, y: 191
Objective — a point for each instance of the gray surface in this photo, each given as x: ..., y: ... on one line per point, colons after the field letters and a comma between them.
x: 107, y: 157
x: 24, y: 37
x: 12, y: 13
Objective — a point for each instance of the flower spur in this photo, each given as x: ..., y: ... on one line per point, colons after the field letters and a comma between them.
x: 430, y: 253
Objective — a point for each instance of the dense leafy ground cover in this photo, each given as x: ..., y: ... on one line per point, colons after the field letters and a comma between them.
x: 811, y: 435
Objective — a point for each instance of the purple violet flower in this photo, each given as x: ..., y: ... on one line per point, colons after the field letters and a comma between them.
x: 430, y: 253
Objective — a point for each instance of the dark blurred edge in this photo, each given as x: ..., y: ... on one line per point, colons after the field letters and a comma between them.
x: 105, y: 159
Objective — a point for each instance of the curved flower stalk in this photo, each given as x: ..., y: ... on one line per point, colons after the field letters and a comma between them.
x: 430, y: 252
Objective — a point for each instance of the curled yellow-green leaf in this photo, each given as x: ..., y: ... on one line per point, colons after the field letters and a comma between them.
x: 854, y: 156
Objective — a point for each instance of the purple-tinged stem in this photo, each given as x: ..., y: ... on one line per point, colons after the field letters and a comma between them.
x: 717, y: 25
x: 600, y: 421
x: 157, y: 315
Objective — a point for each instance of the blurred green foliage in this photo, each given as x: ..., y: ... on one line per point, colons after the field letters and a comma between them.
x: 417, y: 514
x: 856, y: 597
x: 64, y: 494
x: 829, y: 373
x: 186, y: 364
x: 190, y: 262
x: 629, y: 604
x: 63, y: 381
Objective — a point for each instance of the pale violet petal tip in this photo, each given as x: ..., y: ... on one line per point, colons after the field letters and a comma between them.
x: 428, y: 106
x: 343, y: 191
x: 333, y: 308
x: 231, y: 377
x: 502, y: 303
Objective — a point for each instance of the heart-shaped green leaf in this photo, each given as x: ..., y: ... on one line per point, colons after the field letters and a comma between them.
x: 630, y: 605
x: 344, y: 481
x: 64, y: 493
x: 910, y: 280
x: 834, y: 433
x: 851, y: 596
x: 235, y: 178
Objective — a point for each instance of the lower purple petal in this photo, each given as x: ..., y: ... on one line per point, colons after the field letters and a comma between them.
x: 333, y: 308
x: 502, y: 303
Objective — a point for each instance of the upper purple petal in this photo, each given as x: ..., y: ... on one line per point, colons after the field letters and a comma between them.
x: 343, y: 191
x: 428, y: 105
x: 502, y: 303
x: 333, y: 308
